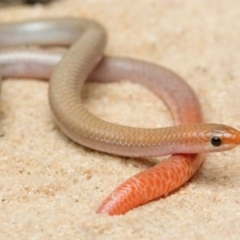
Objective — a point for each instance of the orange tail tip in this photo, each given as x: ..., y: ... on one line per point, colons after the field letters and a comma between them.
x: 153, y: 183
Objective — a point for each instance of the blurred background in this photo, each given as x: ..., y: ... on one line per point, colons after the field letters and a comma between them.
x: 4, y: 3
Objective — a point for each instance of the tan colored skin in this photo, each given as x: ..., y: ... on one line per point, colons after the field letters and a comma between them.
x: 88, y: 40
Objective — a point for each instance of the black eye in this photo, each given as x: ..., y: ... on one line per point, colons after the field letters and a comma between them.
x: 216, y: 141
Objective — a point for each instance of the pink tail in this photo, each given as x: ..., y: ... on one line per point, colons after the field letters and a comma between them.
x: 153, y: 183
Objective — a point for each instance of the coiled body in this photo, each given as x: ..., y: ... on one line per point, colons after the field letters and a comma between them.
x: 84, y: 60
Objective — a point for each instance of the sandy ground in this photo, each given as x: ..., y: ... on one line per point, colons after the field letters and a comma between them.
x: 50, y: 187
